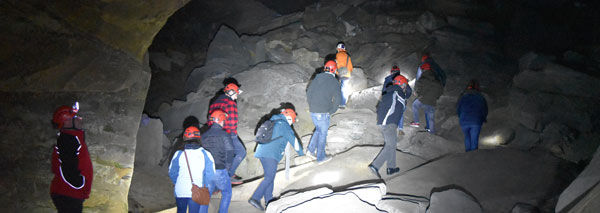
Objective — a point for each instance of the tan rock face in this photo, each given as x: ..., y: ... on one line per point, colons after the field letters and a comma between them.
x: 55, y: 54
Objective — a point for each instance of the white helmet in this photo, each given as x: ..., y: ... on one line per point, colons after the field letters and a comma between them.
x: 341, y: 45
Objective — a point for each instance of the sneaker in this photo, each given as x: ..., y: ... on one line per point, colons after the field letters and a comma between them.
x: 235, y: 181
x: 415, y: 124
x: 236, y: 177
x: 342, y: 106
x: 311, y: 156
x: 400, y: 132
x: 327, y: 158
x: 374, y: 171
x: 391, y: 171
x: 256, y: 204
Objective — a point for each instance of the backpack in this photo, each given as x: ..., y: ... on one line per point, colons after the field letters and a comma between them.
x: 265, y: 132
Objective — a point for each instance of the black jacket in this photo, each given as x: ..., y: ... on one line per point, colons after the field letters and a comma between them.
x: 324, y: 94
x: 214, y: 140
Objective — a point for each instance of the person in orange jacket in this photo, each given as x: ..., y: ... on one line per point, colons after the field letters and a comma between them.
x: 344, y: 66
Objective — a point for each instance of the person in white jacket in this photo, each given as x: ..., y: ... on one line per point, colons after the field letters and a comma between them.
x: 201, y: 166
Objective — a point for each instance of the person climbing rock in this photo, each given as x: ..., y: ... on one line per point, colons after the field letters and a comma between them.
x: 344, y: 66
x: 323, y: 96
x: 389, y: 112
x: 214, y: 140
x: 71, y: 163
x: 271, y: 153
x: 190, y: 165
x: 387, y: 83
x: 236, y: 151
x: 429, y: 86
x: 472, y: 112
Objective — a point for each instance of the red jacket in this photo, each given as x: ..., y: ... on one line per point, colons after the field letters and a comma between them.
x: 71, y: 165
x: 228, y: 106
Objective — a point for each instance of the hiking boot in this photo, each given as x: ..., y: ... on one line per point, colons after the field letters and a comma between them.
x: 391, y: 171
x: 374, y: 170
x: 415, y: 124
x: 310, y: 155
x: 256, y: 204
x: 327, y: 158
x: 236, y: 177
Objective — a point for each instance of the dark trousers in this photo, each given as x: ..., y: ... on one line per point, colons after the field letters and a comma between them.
x: 67, y: 204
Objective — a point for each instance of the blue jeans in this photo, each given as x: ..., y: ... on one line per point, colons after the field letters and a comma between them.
x: 265, y: 188
x: 222, y: 182
x: 319, y: 137
x: 471, y: 132
x: 429, y: 114
x: 343, y: 85
x: 401, y: 122
x: 239, y: 153
x: 184, y: 202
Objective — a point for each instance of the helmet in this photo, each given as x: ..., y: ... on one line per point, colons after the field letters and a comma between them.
x: 473, y: 85
x: 400, y: 79
x: 217, y: 115
x: 331, y: 66
x: 341, y: 46
x: 395, y: 68
x: 424, y: 57
x: 231, y: 88
x: 289, y: 112
x: 425, y: 66
x: 63, y: 113
x: 191, y: 132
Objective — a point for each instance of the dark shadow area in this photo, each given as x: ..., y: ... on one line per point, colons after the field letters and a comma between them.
x: 457, y: 187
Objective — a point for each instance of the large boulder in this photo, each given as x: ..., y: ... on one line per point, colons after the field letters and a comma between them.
x: 227, y: 48
x: 352, y: 127
x: 581, y: 194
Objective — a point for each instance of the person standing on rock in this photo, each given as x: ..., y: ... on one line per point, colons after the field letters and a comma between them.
x: 271, y: 153
x: 387, y: 83
x: 429, y: 86
x: 190, y: 165
x: 237, y: 152
x: 323, y: 96
x: 214, y: 140
x: 71, y: 163
x: 389, y: 113
x: 472, y: 112
x: 344, y: 66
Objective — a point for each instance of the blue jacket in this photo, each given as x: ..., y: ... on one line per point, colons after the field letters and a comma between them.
x: 276, y: 148
x: 389, y: 80
x: 472, y: 108
x: 214, y: 140
x: 391, y: 106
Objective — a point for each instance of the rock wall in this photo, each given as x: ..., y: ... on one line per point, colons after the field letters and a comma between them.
x: 60, y: 52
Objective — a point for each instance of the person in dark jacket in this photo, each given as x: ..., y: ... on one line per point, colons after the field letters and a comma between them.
x: 71, y: 163
x: 271, y: 153
x: 236, y: 150
x: 389, y: 112
x: 214, y: 140
x: 387, y: 83
x: 323, y: 96
x: 427, y: 89
x: 472, y: 112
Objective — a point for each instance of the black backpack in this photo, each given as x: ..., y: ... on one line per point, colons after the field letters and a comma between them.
x: 265, y: 132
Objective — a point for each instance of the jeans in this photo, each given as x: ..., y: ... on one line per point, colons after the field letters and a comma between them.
x: 265, y: 188
x: 343, y: 87
x: 401, y: 122
x: 239, y: 153
x: 388, y: 153
x: 67, y: 204
x: 184, y: 202
x: 319, y: 137
x: 222, y: 182
x: 429, y: 114
x: 471, y: 132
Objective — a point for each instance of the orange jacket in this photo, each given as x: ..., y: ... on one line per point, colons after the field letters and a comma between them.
x: 340, y: 59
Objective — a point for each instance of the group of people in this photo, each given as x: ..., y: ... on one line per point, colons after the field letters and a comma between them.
x: 210, y: 159
x: 429, y: 86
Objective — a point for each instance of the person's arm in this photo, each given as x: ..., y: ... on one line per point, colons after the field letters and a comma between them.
x: 408, y: 92
x: 485, y: 109
x: 209, y: 168
x: 290, y: 137
x: 174, y: 167
x: 349, y: 65
x: 337, y: 96
x: 68, y: 149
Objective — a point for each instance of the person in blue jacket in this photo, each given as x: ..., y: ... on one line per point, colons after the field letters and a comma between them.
x: 387, y: 83
x: 201, y: 170
x: 472, y: 112
x: 389, y: 111
x: 271, y: 153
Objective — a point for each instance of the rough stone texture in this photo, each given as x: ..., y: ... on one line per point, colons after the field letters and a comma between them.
x: 92, y: 52
x: 453, y: 200
x: 350, y: 127
x: 430, y: 146
x: 580, y: 194
x: 429, y: 22
x: 227, y: 46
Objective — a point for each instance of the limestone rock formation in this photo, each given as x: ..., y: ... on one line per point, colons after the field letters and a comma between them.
x: 453, y: 200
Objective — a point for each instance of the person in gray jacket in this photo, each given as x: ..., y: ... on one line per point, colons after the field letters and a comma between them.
x: 323, y: 96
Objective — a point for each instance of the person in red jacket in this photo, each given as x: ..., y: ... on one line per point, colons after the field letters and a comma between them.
x: 71, y: 163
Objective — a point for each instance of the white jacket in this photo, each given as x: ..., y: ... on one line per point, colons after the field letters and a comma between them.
x: 201, y: 165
